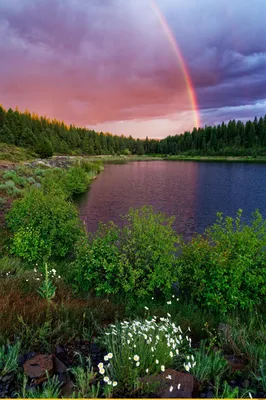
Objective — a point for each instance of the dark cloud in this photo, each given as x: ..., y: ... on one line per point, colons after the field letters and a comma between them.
x: 91, y: 62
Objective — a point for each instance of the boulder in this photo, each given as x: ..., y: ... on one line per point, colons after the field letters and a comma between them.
x: 38, y: 367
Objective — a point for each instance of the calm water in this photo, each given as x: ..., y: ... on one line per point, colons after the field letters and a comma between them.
x: 192, y: 192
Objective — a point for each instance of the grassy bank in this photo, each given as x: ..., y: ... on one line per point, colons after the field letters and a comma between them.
x: 13, y: 154
x: 10, y: 154
x: 247, y: 159
x: 111, y: 304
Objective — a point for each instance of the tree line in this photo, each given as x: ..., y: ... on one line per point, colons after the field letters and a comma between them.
x: 46, y: 137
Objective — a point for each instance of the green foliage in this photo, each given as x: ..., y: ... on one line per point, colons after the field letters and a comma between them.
x: 233, y: 139
x: 245, y: 340
x: 85, y: 380
x: 2, y: 201
x: 147, y: 249
x: 28, y: 139
x: 10, y: 188
x: 9, y: 358
x: 209, y: 364
x: 76, y: 180
x: 43, y: 225
x: 225, y: 391
x: 12, y: 153
x: 44, y: 148
x: 47, y: 289
x: 226, y: 268
x: 9, y: 265
x: 143, y: 347
x: 135, y: 261
x: 126, y: 152
x: 261, y: 377
x: 53, y: 183
x: 10, y: 174
x: 97, y: 264
x: 95, y: 167
x: 50, y: 389
x: 65, y: 183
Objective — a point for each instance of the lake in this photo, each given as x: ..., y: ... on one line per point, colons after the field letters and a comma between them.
x: 191, y: 191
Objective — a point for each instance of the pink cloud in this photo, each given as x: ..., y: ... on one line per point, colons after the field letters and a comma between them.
x: 89, y: 63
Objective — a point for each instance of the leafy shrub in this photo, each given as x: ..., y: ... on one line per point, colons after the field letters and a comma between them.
x: 76, y: 180
x: 9, y: 174
x: 89, y: 166
x: 226, y: 268
x: 10, y: 188
x: 127, y: 152
x: 135, y: 261
x: 53, y: 183
x: 44, y: 225
x: 97, y: 264
x: 39, y: 171
x: 31, y: 180
x: 10, y: 184
x: 2, y: 201
x: 65, y: 182
x: 148, y: 253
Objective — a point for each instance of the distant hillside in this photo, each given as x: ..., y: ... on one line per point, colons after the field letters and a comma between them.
x: 46, y: 137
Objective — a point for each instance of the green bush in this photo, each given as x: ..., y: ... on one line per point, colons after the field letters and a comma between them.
x: 65, y: 183
x: 97, y: 265
x: 2, y: 201
x: 135, y: 261
x: 126, y: 152
x: 53, y: 183
x: 226, y: 268
x: 9, y: 174
x: 44, y: 225
x: 76, y: 180
x: 94, y: 167
x: 39, y: 171
x: 148, y: 253
x: 31, y: 180
x: 10, y: 188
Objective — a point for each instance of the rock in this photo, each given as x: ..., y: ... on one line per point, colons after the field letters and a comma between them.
x: 37, y: 367
x: 236, y: 363
x: 59, y: 350
x: 59, y: 366
x: 63, y: 379
x: 209, y: 394
x: 181, y: 385
x: 7, y: 378
x: 68, y: 389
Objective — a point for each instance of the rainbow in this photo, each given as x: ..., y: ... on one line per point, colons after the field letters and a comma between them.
x: 181, y: 62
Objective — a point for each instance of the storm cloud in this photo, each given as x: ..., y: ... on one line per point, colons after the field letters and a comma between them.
x: 99, y: 62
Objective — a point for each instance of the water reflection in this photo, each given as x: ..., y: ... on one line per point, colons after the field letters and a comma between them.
x: 192, y: 192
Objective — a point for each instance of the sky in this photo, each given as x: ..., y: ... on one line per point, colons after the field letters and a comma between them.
x: 110, y: 65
